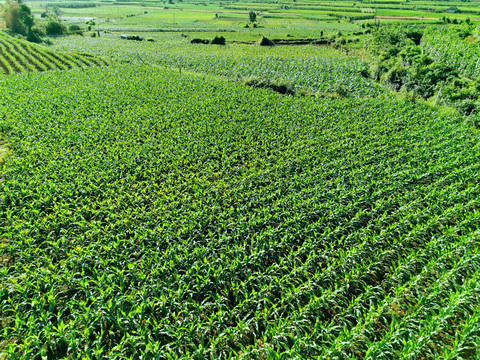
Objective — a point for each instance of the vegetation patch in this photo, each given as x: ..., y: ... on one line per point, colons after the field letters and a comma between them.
x: 20, y: 56
x: 264, y: 41
x: 131, y: 37
x: 277, y: 86
x: 199, y: 41
x: 163, y: 239
x: 399, y: 61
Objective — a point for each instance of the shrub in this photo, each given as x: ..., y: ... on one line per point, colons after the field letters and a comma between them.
x: 74, y: 29
x: 252, y: 15
x: 55, y: 27
x: 280, y: 87
x: 264, y: 41
x: 218, y: 40
x: 150, y: 39
x: 34, y: 36
x: 199, y: 41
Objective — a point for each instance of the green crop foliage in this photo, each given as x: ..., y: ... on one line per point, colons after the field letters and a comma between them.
x: 454, y: 46
x: 313, y: 68
x: 18, y: 56
x: 147, y: 214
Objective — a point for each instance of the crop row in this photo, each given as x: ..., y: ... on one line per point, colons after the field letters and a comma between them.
x: 20, y: 56
x: 150, y: 214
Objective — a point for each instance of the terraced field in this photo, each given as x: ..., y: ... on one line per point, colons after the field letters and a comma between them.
x: 18, y: 56
x: 146, y: 214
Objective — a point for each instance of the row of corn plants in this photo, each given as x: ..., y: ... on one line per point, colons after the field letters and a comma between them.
x: 147, y: 214
x: 17, y: 56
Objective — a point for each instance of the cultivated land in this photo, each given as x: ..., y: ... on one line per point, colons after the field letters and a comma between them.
x: 318, y: 199
x: 21, y: 56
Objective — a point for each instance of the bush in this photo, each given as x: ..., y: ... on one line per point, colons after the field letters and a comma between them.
x: 34, y: 36
x: 199, y: 41
x: 218, y: 40
x: 74, y: 29
x: 264, y: 41
x: 150, y: 39
x: 55, y: 27
x: 131, y: 37
x: 252, y: 15
x: 282, y: 88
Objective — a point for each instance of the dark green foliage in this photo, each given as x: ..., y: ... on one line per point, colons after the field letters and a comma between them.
x: 218, y: 40
x: 280, y: 87
x: 264, y: 41
x: 415, y: 36
x: 33, y: 35
x: 252, y: 16
x: 55, y: 27
x: 131, y: 37
x: 75, y: 29
x: 199, y: 41
x: 18, y: 17
x: 26, y: 17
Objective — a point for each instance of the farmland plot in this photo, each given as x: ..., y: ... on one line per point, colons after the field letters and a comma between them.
x: 18, y: 56
x: 312, y: 68
x: 146, y: 214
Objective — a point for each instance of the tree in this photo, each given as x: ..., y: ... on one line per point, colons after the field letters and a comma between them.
x: 18, y: 17
x: 252, y: 15
x: 55, y: 27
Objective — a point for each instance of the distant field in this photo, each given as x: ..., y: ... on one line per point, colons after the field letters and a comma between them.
x: 161, y: 14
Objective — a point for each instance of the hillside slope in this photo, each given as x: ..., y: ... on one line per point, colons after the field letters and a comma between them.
x: 18, y: 56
